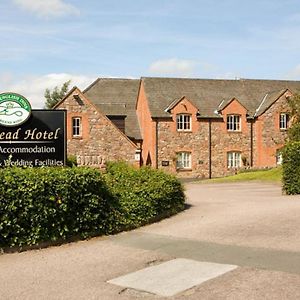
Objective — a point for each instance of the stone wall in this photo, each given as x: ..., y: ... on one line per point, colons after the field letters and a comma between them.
x: 101, y: 140
x: 223, y: 142
x: 170, y: 141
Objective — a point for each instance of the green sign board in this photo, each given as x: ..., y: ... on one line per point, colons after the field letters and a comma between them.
x: 14, y: 109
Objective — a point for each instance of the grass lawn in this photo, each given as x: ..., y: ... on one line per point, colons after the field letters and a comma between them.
x: 271, y: 175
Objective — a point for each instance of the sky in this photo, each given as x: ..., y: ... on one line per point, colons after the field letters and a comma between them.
x: 45, y: 43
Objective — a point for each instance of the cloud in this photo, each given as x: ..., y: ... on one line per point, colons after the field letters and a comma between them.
x: 174, y: 67
x: 47, y: 9
x: 33, y: 87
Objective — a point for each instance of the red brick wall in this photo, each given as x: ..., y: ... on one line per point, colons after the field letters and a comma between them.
x: 148, y: 128
x: 267, y: 135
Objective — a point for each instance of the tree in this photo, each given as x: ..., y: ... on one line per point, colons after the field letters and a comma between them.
x: 294, y: 130
x: 290, y: 154
x: 294, y: 104
x: 53, y: 97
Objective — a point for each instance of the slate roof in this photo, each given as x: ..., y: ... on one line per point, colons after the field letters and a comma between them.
x: 268, y: 100
x: 208, y: 94
x: 117, y: 97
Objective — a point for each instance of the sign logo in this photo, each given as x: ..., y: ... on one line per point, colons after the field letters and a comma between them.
x: 14, y: 109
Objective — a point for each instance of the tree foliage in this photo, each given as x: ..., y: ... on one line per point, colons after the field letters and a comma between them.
x: 294, y: 133
x: 291, y: 151
x: 294, y: 130
x: 294, y: 104
x: 58, y: 93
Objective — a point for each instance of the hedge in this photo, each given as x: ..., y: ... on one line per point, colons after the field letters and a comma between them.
x: 49, y: 204
x: 143, y: 195
x: 291, y: 168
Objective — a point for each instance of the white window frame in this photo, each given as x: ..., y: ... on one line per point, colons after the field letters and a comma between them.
x: 234, y: 160
x: 184, y: 160
x: 283, y: 121
x: 184, y: 122
x: 76, y: 127
x: 233, y: 122
x: 279, y: 157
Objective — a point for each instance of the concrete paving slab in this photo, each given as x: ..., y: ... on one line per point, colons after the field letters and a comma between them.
x: 172, y: 277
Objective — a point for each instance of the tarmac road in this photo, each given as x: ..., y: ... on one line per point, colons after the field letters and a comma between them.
x: 250, y: 225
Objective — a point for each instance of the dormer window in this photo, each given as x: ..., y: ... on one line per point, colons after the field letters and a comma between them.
x: 184, y: 122
x: 283, y: 121
x: 233, y: 122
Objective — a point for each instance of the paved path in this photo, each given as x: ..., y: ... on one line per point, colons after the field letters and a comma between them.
x: 250, y: 225
x: 262, y: 258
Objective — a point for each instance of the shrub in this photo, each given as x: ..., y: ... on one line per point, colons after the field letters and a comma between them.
x: 291, y: 168
x: 143, y: 195
x: 71, y: 161
x: 294, y: 133
x: 47, y: 204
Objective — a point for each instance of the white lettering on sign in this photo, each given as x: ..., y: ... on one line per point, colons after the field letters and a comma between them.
x: 37, y: 135
x: 10, y: 135
x: 35, y: 149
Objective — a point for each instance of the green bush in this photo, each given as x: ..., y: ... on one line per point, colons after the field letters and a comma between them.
x: 291, y: 168
x: 49, y: 204
x: 294, y: 133
x: 71, y: 161
x: 143, y: 195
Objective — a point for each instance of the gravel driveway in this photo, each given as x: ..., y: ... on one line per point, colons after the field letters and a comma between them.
x: 251, y: 225
x: 246, y: 214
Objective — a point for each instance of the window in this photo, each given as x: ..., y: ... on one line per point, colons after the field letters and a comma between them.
x: 184, y: 122
x: 233, y: 160
x: 76, y: 127
x: 279, y: 156
x: 283, y: 121
x: 183, y: 160
x: 233, y: 123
